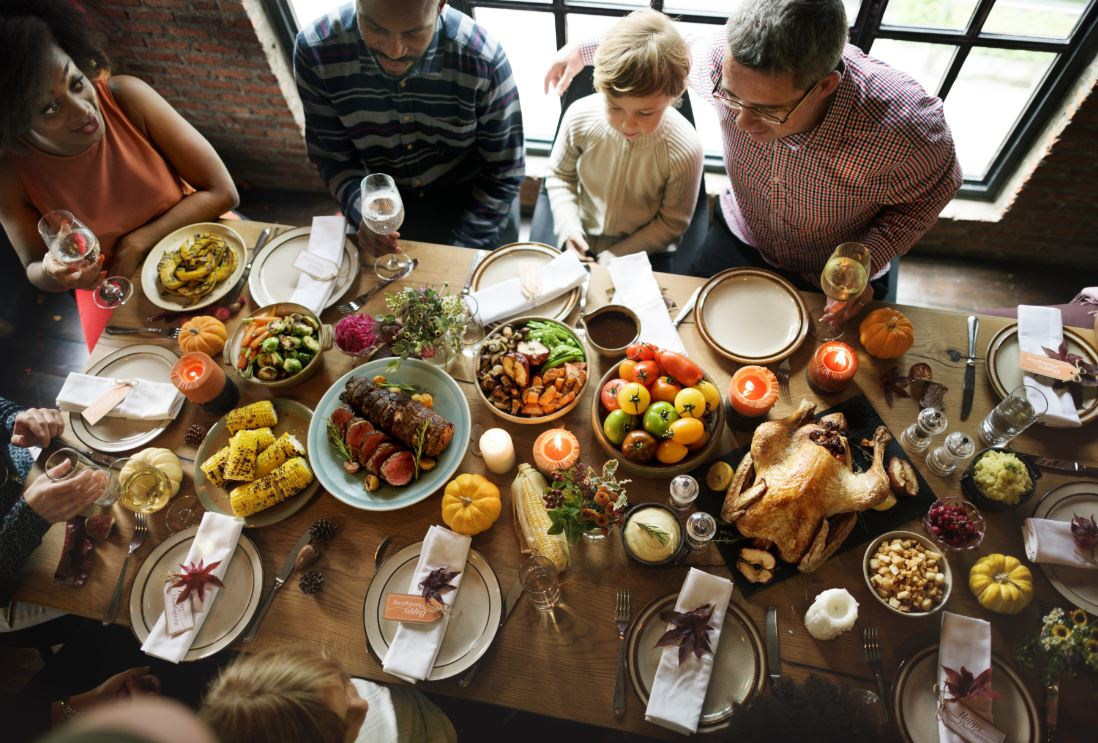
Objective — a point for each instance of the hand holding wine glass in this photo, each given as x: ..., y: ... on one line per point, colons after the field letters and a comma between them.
x: 76, y: 247
x: 844, y: 279
x: 383, y: 213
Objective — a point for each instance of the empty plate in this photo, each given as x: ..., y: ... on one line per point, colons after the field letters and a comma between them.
x: 751, y: 316
x: 274, y: 278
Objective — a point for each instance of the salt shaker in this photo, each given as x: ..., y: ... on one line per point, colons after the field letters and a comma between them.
x: 929, y: 424
x: 700, y: 529
x: 684, y: 489
x: 954, y: 451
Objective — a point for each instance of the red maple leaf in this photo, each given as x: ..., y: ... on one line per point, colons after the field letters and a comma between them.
x: 194, y: 578
x: 963, y: 685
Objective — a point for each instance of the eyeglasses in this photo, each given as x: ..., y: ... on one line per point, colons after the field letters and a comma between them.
x: 735, y: 104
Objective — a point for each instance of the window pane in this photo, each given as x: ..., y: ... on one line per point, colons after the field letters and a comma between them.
x: 720, y: 8
x: 927, y: 63
x: 1050, y: 18
x: 705, y: 117
x: 993, y: 89
x: 306, y: 11
x: 581, y: 27
x: 945, y: 14
x: 529, y: 39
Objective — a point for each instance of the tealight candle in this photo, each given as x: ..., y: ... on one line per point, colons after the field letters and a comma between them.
x: 498, y: 450
x: 202, y: 381
x: 832, y: 367
x: 556, y: 449
x: 833, y: 612
x: 753, y: 391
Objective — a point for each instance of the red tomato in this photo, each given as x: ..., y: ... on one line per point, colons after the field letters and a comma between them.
x: 646, y: 372
x: 625, y: 370
x: 641, y: 351
x: 664, y: 389
x: 609, y: 393
x: 685, y: 371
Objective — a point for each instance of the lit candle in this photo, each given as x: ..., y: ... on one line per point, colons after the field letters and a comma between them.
x: 556, y: 449
x: 832, y: 367
x: 833, y: 612
x: 753, y: 391
x: 202, y: 381
x: 498, y: 450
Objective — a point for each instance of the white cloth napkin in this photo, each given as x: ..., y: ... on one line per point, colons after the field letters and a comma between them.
x: 1050, y: 542
x: 964, y: 642
x: 507, y: 298
x: 678, y: 691
x: 320, y: 263
x: 215, y: 540
x: 147, y: 401
x: 412, y: 654
x: 636, y: 288
x: 1040, y: 328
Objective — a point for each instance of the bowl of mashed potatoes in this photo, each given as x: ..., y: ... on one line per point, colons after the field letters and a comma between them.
x: 652, y: 534
x: 1000, y: 478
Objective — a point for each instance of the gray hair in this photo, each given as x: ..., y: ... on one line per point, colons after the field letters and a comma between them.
x: 802, y: 38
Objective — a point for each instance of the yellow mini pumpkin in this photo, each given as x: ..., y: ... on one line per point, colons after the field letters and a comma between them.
x: 1001, y: 583
x: 886, y: 333
x: 164, y: 460
x: 470, y: 504
x: 203, y: 333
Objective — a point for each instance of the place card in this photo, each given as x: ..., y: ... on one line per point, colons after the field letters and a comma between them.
x: 401, y: 607
x: 1047, y: 367
x: 178, y: 616
x: 970, y: 726
x: 106, y: 402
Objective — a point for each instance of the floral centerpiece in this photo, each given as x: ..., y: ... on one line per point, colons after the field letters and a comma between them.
x: 582, y: 500
x: 424, y: 323
x: 1068, y: 642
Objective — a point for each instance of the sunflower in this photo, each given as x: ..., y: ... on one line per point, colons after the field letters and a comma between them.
x: 1090, y: 647
x: 1079, y: 616
x: 1094, y: 631
x: 1060, y: 632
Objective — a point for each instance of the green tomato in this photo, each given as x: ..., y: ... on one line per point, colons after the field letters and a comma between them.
x: 658, y: 418
x: 617, y: 424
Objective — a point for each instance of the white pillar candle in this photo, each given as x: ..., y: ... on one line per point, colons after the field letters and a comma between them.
x: 498, y: 450
x: 833, y: 612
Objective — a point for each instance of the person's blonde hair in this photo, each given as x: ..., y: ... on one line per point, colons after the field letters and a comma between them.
x: 276, y: 696
x: 642, y: 55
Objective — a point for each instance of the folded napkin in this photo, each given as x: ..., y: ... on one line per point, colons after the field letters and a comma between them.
x: 1050, y: 542
x: 320, y: 263
x: 147, y: 401
x: 636, y: 288
x: 1040, y: 328
x: 678, y: 691
x: 523, y: 293
x: 216, y: 540
x: 412, y: 654
x: 964, y: 642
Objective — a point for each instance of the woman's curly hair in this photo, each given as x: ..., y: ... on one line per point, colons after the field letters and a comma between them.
x: 27, y: 29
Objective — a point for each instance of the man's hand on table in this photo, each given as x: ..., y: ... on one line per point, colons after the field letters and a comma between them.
x: 37, y: 427
x: 840, y: 312
x: 60, y: 500
x: 376, y: 244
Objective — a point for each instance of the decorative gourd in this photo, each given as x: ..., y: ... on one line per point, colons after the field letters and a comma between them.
x: 1001, y: 583
x: 470, y: 504
x: 203, y: 333
x: 886, y: 333
x: 164, y: 460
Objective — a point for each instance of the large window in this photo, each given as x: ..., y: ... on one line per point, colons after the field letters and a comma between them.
x: 1002, y: 66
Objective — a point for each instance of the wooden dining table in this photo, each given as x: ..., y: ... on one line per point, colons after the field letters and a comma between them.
x: 563, y: 663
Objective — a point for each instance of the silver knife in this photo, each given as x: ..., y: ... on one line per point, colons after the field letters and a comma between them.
x: 260, y: 243
x: 970, y: 368
x: 283, y: 573
x: 477, y: 258
x: 688, y: 307
x: 1066, y: 465
x: 513, y: 596
x: 773, y: 647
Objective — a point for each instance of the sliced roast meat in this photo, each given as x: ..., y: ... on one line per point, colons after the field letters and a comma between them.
x: 341, y: 418
x: 399, y: 415
x: 383, y: 452
x: 399, y: 469
x: 369, y: 445
x: 357, y: 431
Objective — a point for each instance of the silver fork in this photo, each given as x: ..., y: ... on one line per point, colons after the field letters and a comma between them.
x: 784, y: 370
x: 621, y: 619
x: 873, y: 659
x: 140, y: 531
x: 359, y: 302
x: 172, y: 333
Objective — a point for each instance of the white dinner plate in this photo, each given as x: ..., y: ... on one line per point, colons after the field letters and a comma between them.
x: 738, y: 673
x: 751, y: 316
x: 231, y: 612
x: 915, y: 703
x: 274, y: 278
x: 172, y: 242
x: 141, y: 361
x: 1077, y: 585
x: 473, y: 625
x: 507, y: 262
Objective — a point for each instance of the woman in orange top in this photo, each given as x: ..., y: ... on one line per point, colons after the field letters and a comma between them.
x: 108, y: 149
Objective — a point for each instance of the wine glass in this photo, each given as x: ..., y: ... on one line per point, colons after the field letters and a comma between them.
x: 74, y: 245
x: 844, y: 277
x: 184, y: 511
x: 141, y: 488
x: 77, y: 463
x: 473, y: 333
x: 383, y: 213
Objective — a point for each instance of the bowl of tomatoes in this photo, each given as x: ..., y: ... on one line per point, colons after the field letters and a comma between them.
x: 657, y: 412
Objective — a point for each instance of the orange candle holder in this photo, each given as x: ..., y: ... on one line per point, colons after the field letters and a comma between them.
x: 832, y: 367
x: 753, y: 391
x: 555, y: 449
x: 203, y: 382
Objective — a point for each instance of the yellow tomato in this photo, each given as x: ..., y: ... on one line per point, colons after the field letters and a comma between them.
x: 686, y: 430
x: 711, y: 394
x: 634, y: 398
x: 690, y: 403
x: 670, y: 452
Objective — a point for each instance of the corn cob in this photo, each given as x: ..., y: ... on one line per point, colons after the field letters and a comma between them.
x: 289, y: 479
x: 532, y: 518
x: 284, y: 447
x: 265, y: 436
x: 214, y: 467
x: 256, y: 415
x: 240, y: 464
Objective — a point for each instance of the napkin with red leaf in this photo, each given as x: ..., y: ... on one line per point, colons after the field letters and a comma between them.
x: 964, y: 679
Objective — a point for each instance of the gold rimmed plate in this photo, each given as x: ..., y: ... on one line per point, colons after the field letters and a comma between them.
x: 174, y: 241
x: 751, y: 316
x: 507, y: 262
x: 273, y: 278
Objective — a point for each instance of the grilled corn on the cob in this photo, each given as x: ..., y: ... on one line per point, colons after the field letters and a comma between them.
x: 284, y: 447
x: 289, y: 479
x: 528, y: 496
x: 265, y: 438
x: 256, y: 415
x: 214, y: 467
x: 240, y: 464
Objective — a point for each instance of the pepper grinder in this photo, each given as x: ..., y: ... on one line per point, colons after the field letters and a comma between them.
x: 929, y: 424
x: 954, y: 451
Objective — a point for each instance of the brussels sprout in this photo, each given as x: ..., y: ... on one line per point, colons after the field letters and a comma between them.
x: 274, y: 327
x: 301, y: 328
x: 292, y: 366
x: 289, y: 342
x: 269, y: 344
x: 311, y: 322
x: 268, y: 373
x: 311, y: 343
x: 295, y: 317
x: 270, y: 359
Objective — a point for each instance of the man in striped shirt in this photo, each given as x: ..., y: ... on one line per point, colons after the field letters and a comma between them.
x: 822, y: 144
x: 419, y: 91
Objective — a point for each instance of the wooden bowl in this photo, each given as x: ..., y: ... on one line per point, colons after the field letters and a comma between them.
x: 654, y: 469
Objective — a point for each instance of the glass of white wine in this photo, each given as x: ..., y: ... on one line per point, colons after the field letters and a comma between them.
x: 74, y: 245
x: 845, y: 276
x: 141, y: 488
x: 383, y: 214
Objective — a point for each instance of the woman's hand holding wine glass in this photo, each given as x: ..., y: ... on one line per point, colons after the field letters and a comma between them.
x: 76, y: 248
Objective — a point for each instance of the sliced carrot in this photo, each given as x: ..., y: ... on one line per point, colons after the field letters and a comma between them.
x: 259, y: 339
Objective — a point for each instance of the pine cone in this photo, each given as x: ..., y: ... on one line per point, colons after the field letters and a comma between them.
x: 311, y: 581
x: 195, y: 434
x: 322, y: 530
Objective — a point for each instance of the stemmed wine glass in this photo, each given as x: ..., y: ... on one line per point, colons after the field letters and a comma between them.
x: 844, y: 277
x: 73, y: 244
x: 473, y: 332
x: 383, y: 213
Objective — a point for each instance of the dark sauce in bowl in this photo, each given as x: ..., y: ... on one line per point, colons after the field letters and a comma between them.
x: 612, y: 329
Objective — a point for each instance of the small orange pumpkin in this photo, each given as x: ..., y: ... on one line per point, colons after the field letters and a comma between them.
x: 886, y: 333
x: 203, y: 333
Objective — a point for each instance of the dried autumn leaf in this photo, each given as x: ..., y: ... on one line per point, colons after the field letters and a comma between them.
x: 963, y: 685
x: 437, y: 583
x: 933, y: 396
x: 689, y: 630
x: 1088, y: 373
x: 194, y: 579
x: 920, y: 372
x: 1085, y: 532
x: 893, y: 384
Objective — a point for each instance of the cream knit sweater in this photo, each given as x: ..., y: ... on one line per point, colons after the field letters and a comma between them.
x: 624, y: 196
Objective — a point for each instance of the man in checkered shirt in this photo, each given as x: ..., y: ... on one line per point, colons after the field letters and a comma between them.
x: 822, y: 143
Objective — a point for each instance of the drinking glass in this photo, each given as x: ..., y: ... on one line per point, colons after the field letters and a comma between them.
x: 700, y: 530
x: 954, y: 451
x: 143, y: 489
x: 74, y: 245
x: 383, y: 213
x: 844, y: 277
x: 473, y: 334
x: 538, y: 576
x: 683, y: 492
x: 183, y: 512
x: 929, y: 424
x: 1018, y: 411
x: 77, y: 464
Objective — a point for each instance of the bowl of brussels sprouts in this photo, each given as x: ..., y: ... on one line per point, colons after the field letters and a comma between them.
x: 279, y: 346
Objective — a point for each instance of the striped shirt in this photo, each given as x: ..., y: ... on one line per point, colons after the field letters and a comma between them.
x: 451, y: 122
